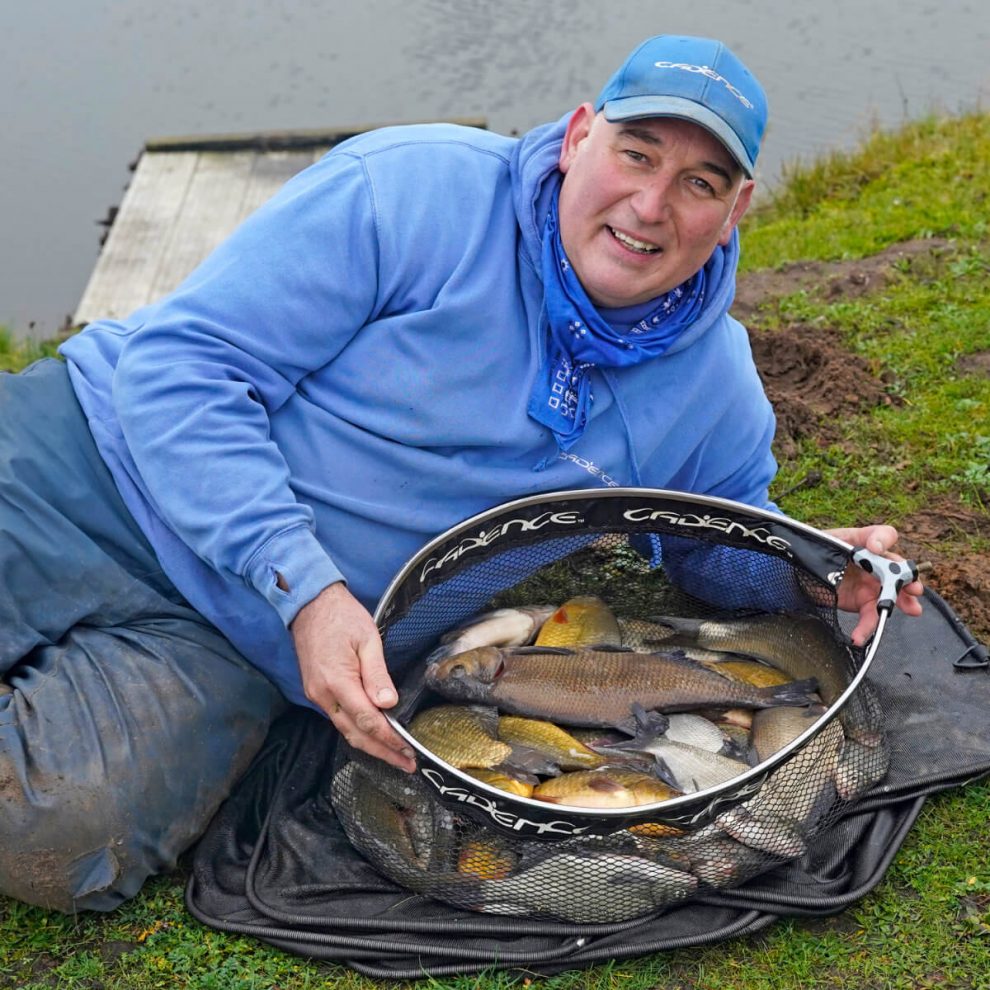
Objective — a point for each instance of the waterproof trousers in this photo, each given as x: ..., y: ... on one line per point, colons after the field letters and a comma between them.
x: 125, y: 717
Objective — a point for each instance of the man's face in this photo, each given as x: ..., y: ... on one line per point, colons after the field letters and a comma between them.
x: 644, y: 203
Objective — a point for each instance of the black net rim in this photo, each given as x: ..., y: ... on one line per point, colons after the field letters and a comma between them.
x: 817, y: 552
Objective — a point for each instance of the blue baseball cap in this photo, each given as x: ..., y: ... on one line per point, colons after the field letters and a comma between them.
x: 696, y: 79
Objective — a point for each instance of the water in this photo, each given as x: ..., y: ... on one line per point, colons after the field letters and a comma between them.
x: 85, y: 84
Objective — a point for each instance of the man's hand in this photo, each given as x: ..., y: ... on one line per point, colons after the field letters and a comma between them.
x: 858, y: 590
x: 343, y: 673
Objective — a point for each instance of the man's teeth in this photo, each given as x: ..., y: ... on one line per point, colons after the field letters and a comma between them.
x: 631, y: 242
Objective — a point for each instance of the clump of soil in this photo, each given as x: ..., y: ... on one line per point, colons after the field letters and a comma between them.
x: 814, y: 382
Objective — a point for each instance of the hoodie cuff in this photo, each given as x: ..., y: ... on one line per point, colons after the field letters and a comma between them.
x: 305, y: 567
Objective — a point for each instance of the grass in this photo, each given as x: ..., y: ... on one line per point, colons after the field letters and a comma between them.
x: 928, y: 923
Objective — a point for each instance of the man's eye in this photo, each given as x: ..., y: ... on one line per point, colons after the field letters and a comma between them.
x: 703, y: 184
x: 636, y: 156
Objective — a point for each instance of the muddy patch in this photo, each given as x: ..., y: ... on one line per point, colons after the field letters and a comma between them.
x: 831, y: 279
x: 813, y: 382
x: 939, y: 534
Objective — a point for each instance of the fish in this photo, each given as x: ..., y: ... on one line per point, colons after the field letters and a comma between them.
x: 584, y: 620
x: 805, y: 647
x: 486, y: 860
x: 748, y: 672
x: 604, y: 888
x: 594, y: 687
x: 775, y: 728
x: 558, y: 745
x: 390, y: 817
x: 696, y: 730
x: 654, y: 830
x: 798, y: 645
x: 461, y: 735
x: 513, y: 782
x: 684, y: 766
x: 500, y: 627
x: 466, y: 736
x: 793, y: 800
x: 605, y: 788
x: 716, y: 858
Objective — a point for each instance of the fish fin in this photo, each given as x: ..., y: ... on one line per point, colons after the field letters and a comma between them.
x: 487, y: 716
x: 529, y: 650
x: 642, y: 722
x: 531, y: 761
x: 511, y: 769
x: 798, y: 694
x: 664, y: 773
x: 737, y: 751
x: 604, y: 784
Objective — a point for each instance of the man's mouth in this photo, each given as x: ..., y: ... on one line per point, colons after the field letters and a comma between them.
x: 640, y: 247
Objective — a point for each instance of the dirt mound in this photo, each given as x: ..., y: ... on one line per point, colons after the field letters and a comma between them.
x: 938, y: 534
x: 813, y: 381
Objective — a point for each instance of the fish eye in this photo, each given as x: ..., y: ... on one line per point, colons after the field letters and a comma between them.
x: 457, y: 670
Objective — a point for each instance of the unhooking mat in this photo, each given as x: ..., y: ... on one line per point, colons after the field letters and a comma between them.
x: 275, y: 864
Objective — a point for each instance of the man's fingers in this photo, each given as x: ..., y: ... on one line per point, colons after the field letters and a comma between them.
x: 368, y: 743
x: 375, y: 677
x: 367, y: 729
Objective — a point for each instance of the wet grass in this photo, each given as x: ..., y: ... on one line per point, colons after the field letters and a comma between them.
x: 928, y: 922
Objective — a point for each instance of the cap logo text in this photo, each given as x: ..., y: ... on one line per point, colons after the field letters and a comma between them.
x: 711, y: 73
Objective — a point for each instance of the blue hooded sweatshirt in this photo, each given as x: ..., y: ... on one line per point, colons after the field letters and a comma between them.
x: 347, y: 376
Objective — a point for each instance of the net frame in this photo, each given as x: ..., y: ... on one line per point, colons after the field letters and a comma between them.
x: 820, y: 557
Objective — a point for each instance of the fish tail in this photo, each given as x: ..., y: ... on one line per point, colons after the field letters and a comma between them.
x: 794, y: 694
x: 531, y: 761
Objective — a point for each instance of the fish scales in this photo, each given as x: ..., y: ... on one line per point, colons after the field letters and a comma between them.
x: 595, y: 687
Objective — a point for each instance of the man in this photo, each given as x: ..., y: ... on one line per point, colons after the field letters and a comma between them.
x: 428, y: 322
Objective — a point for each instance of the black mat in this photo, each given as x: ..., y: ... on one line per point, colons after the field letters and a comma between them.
x: 276, y: 865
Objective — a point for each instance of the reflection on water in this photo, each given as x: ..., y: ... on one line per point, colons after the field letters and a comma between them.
x: 86, y: 84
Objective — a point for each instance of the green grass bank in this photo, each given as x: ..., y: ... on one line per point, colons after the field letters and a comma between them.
x: 924, y: 331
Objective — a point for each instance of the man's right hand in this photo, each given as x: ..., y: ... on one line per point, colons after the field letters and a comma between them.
x: 343, y: 672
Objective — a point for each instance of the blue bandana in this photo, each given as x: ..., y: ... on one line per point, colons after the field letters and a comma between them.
x: 580, y: 338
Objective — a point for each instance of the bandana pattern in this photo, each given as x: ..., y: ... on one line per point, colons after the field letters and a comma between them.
x: 580, y: 339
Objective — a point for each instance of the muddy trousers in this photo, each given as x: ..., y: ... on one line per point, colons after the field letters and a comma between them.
x: 125, y: 718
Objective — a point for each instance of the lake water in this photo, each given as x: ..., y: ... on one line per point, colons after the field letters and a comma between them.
x: 85, y: 84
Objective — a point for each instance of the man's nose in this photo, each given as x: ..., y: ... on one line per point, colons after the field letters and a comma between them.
x: 652, y: 201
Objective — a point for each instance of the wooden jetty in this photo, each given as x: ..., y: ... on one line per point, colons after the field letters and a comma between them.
x: 186, y: 196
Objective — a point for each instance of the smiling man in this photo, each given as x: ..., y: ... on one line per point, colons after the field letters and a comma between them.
x: 200, y: 507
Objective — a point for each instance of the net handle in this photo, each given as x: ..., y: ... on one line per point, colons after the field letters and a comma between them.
x: 893, y: 575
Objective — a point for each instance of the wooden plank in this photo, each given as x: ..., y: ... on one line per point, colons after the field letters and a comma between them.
x: 283, y: 140
x: 184, y: 200
x: 126, y: 269
x: 211, y: 210
x: 272, y: 169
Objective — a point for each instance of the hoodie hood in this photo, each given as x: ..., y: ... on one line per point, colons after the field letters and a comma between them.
x: 536, y: 179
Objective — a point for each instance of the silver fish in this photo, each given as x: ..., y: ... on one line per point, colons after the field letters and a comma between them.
x: 687, y: 767
x: 598, y: 889
x: 500, y: 627
x: 716, y: 858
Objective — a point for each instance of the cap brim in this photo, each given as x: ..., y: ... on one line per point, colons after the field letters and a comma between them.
x: 638, y: 107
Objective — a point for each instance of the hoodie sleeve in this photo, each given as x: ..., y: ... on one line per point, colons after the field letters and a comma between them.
x: 195, y: 386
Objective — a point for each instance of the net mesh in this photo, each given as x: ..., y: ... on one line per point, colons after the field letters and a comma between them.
x: 610, y: 849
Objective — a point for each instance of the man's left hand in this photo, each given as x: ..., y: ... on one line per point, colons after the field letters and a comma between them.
x: 858, y: 590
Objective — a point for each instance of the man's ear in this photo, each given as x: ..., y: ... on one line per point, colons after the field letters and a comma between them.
x: 577, y: 130
x: 740, y: 206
